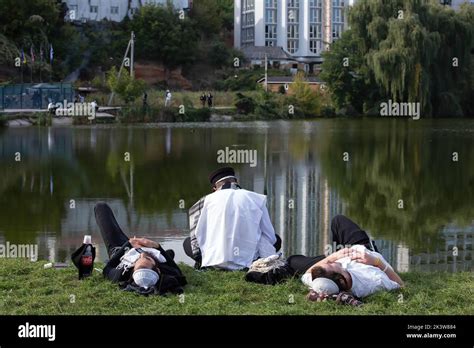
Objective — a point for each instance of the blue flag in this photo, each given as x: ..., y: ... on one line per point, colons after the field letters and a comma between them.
x: 51, y: 54
x: 23, y: 58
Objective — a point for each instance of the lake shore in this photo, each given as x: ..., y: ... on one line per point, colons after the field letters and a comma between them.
x: 26, y: 288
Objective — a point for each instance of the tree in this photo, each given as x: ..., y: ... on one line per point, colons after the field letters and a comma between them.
x: 164, y: 36
x: 343, y: 70
x: 407, y: 51
x: 305, y: 99
x: 126, y: 87
x: 213, y: 15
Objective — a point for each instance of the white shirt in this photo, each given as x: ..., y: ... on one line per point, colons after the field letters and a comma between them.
x: 234, y: 229
x: 366, y: 279
x: 131, y: 256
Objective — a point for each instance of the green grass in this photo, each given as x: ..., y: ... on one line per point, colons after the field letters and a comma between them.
x: 27, y: 288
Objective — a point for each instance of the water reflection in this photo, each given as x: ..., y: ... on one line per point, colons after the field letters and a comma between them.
x: 48, y: 196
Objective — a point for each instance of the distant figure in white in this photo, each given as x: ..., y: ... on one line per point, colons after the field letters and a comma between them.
x: 167, y: 98
x: 95, y: 106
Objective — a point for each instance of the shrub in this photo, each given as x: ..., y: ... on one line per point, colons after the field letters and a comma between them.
x: 195, y: 115
x: 244, y: 104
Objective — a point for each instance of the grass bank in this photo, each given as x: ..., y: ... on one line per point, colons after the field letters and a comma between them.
x: 27, y: 288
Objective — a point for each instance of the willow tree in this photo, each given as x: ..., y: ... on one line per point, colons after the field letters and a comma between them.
x: 417, y: 51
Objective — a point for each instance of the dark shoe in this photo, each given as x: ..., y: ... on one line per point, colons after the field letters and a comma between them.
x: 170, y: 253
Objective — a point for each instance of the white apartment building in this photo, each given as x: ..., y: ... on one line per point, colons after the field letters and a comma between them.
x: 303, y: 28
x: 112, y: 10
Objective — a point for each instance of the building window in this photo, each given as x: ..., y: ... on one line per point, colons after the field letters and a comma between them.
x: 94, y: 9
x: 292, y: 46
x: 293, y: 14
x: 337, y: 31
x: 248, y: 23
x: 271, y: 4
x: 337, y: 16
x: 248, y: 5
x: 114, y: 10
x: 315, y: 26
x: 270, y: 22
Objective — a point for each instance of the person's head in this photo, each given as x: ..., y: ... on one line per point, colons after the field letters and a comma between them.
x: 145, y: 271
x: 221, y: 176
x: 145, y: 261
x: 334, y: 272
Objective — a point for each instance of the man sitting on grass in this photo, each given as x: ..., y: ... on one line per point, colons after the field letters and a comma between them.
x: 231, y: 227
x: 137, y: 264
x: 357, y: 268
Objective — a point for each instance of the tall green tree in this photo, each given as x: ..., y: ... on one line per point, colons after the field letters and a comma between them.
x: 164, y: 36
x: 414, y: 50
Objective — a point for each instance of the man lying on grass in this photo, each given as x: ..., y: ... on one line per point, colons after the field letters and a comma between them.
x: 357, y: 268
x: 137, y: 264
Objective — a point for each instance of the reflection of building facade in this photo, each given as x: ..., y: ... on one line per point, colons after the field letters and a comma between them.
x: 300, y: 201
x: 455, y: 255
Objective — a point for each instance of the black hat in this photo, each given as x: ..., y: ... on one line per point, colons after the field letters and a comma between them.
x: 221, y: 173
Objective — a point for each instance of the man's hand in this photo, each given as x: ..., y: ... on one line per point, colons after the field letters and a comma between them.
x: 339, y: 254
x: 143, y: 242
x: 366, y: 258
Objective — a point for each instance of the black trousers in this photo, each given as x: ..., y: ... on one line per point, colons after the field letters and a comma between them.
x: 110, y: 230
x: 344, y: 232
x: 113, y: 236
x: 189, y: 251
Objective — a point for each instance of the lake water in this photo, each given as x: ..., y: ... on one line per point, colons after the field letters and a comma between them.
x: 410, y: 184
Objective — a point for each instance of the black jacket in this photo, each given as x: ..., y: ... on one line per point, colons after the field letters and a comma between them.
x: 171, y: 278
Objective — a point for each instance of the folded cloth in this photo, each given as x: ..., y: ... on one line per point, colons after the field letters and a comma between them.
x: 267, y: 264
x: 270, y: 270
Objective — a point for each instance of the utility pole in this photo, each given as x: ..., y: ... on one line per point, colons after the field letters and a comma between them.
x: 130, y: 48
x: 266, y: 73
x: 132, y: 54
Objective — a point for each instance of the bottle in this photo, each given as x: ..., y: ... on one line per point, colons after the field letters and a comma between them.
x: 87, y: 261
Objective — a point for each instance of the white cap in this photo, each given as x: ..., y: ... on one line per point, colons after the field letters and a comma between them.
x: 325, y: 285
x: 87, y: 239
x: 145, y: 278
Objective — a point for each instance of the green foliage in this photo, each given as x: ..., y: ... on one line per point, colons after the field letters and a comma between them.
x: 245, y: 105
x: 213, y: 15
x: 27, y: 22
x: 406, y: 56
x: 306, y: 101
x: 126, y: 87
x: 219, y: 55
x: 343, y: 70
x: 269, y: 107
x: 194, y: 115
x: 163, y: 36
